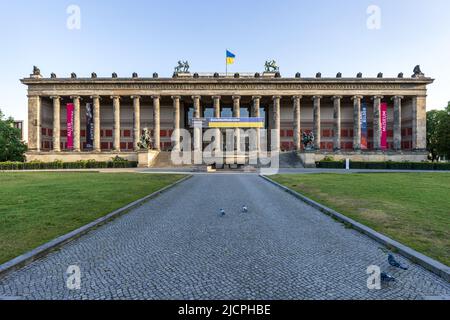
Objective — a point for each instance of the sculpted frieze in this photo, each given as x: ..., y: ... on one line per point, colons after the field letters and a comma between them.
x: 224, y: 86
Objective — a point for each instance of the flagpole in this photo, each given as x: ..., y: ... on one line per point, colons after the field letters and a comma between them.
x: 226, y: 64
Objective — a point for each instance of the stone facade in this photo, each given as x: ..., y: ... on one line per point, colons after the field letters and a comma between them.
x: 329, y: 107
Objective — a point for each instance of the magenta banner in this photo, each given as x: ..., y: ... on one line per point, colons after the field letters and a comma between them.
x: 70, y: 117
x: 383, y: 114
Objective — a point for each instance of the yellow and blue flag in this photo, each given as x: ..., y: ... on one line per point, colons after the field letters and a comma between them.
x: 230, y: 57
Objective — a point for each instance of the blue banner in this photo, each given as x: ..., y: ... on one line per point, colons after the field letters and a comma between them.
x: 364, y: 138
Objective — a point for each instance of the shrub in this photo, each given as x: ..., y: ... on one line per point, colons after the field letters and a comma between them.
x: 376, y: 165
x: 331, y: 164
x: 442, y: 166
x: 391, y: 165
x: 422, y: 166
x: 357, y: 165
x: 399, y: 165
x: 118, y: 159
x: 82, y: 164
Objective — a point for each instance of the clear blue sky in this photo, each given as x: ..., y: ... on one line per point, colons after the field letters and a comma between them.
x: 151, y: 36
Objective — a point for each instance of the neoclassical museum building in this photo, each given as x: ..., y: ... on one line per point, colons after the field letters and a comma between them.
x: 363, y: 118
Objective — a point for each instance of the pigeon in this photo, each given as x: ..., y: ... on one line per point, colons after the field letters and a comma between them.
x: 384, y: 250
x: 387, y: 278
x: 222, y: 212
x: 244, y: 209
x: 395, y: 263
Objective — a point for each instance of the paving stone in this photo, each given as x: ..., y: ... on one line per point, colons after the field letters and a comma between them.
x: 178, y: 247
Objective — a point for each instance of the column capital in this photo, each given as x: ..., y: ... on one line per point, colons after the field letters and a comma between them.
x: 156, y: 97
x: 176, y: 97
x: 357, y: 97
x: 34, y: 96
x: 76, y: 98
x: 397, y: 97
x: 196, y: 97
x: 336, y: 97
x: 216, y: 97
x: 55, y: 97
x: 316, y: 97
x: 135, y: 97
x: 297, y: 97
x: 377, y: 97
x: 256, y: 97
x: 116, y: 97
x: 276, y: 97
x: 96, y: 96
x: 236, y: 97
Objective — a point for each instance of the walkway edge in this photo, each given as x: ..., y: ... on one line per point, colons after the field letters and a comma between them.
x: 426, y: 262
x: 41, y: 251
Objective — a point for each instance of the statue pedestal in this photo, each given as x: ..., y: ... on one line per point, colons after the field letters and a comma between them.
x: 146, y: 158
x: 269, y: 74
x: 183, y: 74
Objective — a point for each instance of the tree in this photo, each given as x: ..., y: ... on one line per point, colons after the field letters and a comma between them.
x: 443, y: 131
x: 433, y: 118
x: 438, y: 133
x: 11, y: 146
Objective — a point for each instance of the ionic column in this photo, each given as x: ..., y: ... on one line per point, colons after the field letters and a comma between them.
x: 197, y: 131
x: 197, y: 107
x: 34, y: 123
x: 297, y: 123
x: 96, y: 104
x: 116, y: 107
x: 357, y: 122
x: 176, y: 121
x: 277, y: 121
x: 237, y: 114
x: 56, y: 123
x: 337, y: 122
x: 76, y: 124
x: 397, y: 122
x: 136, y: 121
x: 256, y: 112
x: 377, y: 122
x: 316, y: 120
x: 157, y: 122
x: 419, y: 129
x: 216, y: 100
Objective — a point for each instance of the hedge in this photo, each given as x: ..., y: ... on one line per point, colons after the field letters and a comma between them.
x: 89, y: 164
x: 388, y: 165
x: 331, y: 164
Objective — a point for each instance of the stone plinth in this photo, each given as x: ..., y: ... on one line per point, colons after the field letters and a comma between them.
x: 146, y: 158
x: 183, y: 74
x: 77, y: 156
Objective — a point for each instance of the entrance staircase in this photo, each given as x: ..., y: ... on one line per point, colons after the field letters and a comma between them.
x: 287, y: 160
x: 163, y: 160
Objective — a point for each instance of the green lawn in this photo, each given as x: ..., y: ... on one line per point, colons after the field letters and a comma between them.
x: 412, y: 208
x: 38, y: 207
